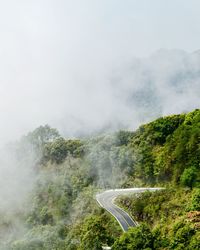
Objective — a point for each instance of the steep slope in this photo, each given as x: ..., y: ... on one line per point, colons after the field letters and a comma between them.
x: 61, y: 212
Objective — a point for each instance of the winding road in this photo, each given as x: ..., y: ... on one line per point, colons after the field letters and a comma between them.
x: 106, y: 200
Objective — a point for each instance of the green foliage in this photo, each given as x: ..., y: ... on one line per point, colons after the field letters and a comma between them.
x: 195, y: 242
x: 188, y: 177
x: 58, y: 150
x: 42, y: 135
x: 28, y: 244
x: 124, y: 137
x: 109, y: 164
x: 165, y: 212
x: 41, y: 238
x: 135, y: 238
x: 94, y: 234
x: 182, y: 234
x: 64, y: 197
x: 161, y: 241
x: 33, y: 144
x: 166, y: 147
x: 192, y: 117
x: 157, y: 206
x: 163, y: 127
x: 63, y: 213
x: 195, y: 200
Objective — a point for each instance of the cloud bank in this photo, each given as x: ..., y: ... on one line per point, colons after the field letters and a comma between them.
x: 74, y: 65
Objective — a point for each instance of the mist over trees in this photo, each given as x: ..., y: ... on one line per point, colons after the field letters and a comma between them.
x: 59, y: 211
x: 125, y: 96
x: 89, y: 102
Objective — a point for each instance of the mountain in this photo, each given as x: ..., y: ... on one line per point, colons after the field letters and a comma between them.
x: 60, y: 211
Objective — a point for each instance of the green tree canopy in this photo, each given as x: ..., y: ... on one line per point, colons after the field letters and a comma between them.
x: 134, y: 239
x: 188, y: 177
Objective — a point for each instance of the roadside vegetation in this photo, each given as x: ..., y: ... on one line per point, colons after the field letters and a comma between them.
x: 61, y: 212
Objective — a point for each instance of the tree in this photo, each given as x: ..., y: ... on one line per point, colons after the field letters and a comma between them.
x: 60, y: 148
x: 188, y: 177
x: 94, y: 234
x: 196, y: 200
x: 136, y: 238
x: 42, y: 135
x: 123, y: 137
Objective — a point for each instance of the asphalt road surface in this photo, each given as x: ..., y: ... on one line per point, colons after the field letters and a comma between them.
x: 106, y: 200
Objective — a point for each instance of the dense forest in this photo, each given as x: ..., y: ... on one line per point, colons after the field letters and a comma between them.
x: 61, y: 212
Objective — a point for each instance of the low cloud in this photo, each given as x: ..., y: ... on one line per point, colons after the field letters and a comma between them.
x: 72, y: 65
x: 122, y: 97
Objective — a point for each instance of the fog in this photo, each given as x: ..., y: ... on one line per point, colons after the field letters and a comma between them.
x: 86, y: 67
x: 75, y: 66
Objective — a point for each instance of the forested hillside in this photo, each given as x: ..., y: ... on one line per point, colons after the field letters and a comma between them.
x: 61, y: 211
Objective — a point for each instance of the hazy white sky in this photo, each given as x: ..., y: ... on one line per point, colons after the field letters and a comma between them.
x: 57, y: 56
